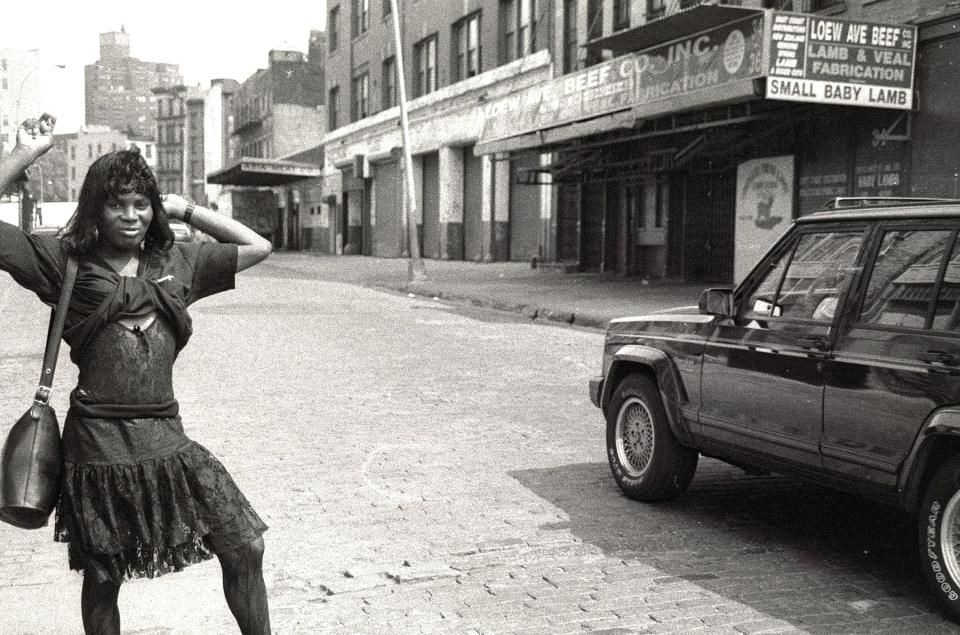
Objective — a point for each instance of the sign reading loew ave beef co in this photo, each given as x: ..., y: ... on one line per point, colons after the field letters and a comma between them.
x: 837, y: 61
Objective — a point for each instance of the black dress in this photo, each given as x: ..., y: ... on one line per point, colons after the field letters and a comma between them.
x: 138, y: 497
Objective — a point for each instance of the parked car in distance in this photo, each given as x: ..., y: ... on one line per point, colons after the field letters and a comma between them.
x: 181, y: 231
x: 837, y: 360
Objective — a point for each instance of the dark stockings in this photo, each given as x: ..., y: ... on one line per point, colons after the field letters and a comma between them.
x: 245, y: 589
x: 243, y: 586
x: 98, y: 605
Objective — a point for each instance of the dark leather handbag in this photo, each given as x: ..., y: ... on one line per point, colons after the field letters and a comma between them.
x: 31, y: 460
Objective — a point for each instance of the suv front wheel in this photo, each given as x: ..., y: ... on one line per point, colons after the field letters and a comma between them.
x: 647, y: 461
x: 940, y: 536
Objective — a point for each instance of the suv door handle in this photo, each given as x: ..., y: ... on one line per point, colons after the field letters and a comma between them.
x: 940, y: 357
x: 815, y: 343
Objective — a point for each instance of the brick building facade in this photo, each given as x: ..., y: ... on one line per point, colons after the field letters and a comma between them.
x: 647, y: 185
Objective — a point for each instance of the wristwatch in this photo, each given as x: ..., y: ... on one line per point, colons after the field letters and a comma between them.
x: 187, y: 213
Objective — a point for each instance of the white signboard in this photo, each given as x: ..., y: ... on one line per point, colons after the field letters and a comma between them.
x: 827, y: 60
x: 764, y: 209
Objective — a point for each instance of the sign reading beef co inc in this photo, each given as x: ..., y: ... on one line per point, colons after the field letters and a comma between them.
x: 688, y: 69
x: 833, y: 61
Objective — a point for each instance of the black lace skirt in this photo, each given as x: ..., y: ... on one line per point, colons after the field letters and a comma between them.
x: 139, y: 499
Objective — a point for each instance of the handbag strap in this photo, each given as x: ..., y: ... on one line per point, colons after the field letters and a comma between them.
x: 59, y: 318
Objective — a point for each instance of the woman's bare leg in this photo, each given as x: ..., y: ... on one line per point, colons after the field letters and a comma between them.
x: 245, y: 589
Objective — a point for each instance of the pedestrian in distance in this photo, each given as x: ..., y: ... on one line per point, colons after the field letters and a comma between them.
x: 138, y: 498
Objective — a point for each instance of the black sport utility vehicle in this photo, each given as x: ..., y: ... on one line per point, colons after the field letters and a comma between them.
x: 837, y: 359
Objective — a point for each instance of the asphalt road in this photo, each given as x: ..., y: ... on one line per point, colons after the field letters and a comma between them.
x: 430, y: 468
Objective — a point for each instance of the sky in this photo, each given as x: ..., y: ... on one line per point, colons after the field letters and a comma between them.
x: 207, y: 39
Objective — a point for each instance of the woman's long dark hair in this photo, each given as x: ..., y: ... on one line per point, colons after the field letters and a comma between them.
x: 119, y: 172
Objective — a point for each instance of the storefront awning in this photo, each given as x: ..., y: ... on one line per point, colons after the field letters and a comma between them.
x: 263, y: 172
x: 672, y: 27
x: 551, y: 136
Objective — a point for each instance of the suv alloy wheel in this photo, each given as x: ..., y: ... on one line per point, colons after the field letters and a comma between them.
x: 646, y: 460
x: 939, y: 523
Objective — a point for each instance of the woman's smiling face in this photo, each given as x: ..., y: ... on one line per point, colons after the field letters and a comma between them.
x: 124, y: 221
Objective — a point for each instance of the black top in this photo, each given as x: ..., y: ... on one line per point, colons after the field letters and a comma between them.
x: 166, y: 283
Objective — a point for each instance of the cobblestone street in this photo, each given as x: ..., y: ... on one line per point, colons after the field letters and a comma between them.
x: 432, y: 468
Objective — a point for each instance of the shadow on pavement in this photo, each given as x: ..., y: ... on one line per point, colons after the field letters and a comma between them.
x: 787, y: 548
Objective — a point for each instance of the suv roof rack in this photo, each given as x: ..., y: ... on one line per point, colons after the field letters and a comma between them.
x: 847, y: 202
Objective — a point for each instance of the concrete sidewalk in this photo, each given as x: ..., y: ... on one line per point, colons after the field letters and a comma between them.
x: 584, y: 299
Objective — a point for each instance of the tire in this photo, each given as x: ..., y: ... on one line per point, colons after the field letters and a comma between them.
x: 647, y: 461
x: 939, y: 524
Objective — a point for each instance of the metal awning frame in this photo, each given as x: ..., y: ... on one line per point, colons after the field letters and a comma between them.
x: 671, y: 28
x: 676, y: 123
x: 570, y: 168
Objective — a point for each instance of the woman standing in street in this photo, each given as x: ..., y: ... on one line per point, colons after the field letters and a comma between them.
x: 138, y: 497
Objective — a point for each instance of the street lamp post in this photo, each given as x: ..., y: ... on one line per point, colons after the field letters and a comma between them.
x: 416, y: 271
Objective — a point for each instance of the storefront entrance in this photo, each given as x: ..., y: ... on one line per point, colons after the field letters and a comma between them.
x: 706, y: 203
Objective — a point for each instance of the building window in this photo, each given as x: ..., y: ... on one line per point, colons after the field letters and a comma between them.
x: 662, y: 209
x: 656, y: 9
x: 333, y: 105
x: 361, y: 16
x: 594, y: 29
x: 89, y: 150
x: 148, y: 150
x: 73, y: 152
x: 333, y: 29
x: 389, y: 82
x: 73, y: 173
x: 425, y: 52
x: 571, y: 44
x: 525, y: 26
x: 466, y: 42
x: 621, y: 14
x: 517, y: 29
x: 387, y: 8
x: 360, y: 103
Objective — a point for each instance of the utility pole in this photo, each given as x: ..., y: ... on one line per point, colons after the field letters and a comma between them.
x: 26, y: 203
x: 416, y: 271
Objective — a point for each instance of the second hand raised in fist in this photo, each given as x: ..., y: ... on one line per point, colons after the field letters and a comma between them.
x: 37, y: 134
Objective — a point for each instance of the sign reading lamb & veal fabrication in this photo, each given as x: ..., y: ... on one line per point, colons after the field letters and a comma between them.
x: 834, y: 61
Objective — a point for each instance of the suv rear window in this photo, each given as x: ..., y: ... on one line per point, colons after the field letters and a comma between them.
x: 903, y: 282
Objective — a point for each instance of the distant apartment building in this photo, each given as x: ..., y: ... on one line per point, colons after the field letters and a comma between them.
x: 278, y: 109
x: 179, y: 139
x: 278, y: 120
x: 217, y: 131
x: 118, y: 87
x: 20, y: 93
x: 79, y: 150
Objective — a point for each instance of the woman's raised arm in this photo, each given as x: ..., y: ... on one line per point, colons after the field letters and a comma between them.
x: 34, y: 137
x: 251, y: 246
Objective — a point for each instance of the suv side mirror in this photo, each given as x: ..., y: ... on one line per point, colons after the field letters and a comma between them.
x: 716, y: 302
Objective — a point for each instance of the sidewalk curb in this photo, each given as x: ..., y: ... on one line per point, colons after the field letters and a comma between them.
x: 532, y: 312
